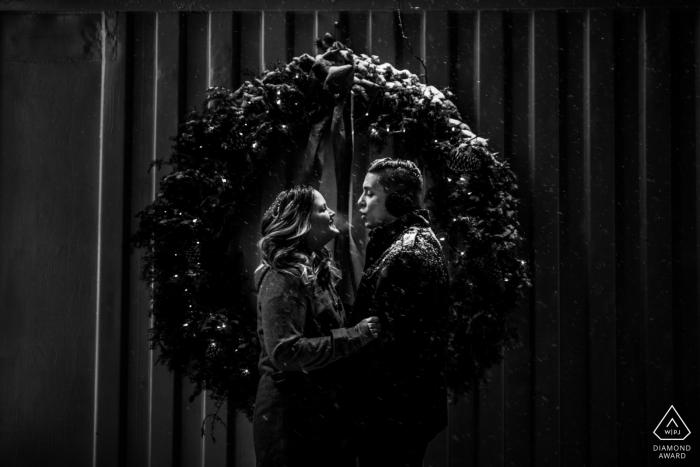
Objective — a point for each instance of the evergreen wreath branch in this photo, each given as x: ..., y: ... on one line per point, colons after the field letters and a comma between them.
x: 203, y: 326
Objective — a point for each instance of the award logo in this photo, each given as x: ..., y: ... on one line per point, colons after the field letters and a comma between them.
x: 672, y: 427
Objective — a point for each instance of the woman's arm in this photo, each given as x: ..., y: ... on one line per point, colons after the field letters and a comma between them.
x: 284, y: 308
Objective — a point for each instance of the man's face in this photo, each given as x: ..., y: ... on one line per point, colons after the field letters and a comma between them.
x: 372, y: 203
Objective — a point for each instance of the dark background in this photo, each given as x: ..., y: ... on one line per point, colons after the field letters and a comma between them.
x: 594, y: 103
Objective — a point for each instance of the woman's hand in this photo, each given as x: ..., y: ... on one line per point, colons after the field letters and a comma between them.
x: 369, y: 329
x: 373, y: 324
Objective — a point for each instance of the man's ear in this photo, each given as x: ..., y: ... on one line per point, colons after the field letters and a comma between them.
x: 398, y: 204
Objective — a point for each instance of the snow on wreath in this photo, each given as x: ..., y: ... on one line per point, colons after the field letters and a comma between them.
x: 202, y: 322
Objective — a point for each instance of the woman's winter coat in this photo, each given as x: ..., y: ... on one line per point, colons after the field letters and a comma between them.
x: 298, y: 419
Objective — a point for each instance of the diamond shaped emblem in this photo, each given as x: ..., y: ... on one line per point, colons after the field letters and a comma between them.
x: 672, y: 427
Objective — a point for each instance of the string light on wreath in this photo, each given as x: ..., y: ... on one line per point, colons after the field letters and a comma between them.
x: 202, y: 324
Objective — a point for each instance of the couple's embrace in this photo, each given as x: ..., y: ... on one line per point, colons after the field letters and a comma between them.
x: 366, y: 384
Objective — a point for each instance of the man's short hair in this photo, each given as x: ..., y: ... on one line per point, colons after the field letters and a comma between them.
x: 398, y: 175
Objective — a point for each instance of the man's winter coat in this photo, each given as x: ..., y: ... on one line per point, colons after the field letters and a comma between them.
x: 399, y: 379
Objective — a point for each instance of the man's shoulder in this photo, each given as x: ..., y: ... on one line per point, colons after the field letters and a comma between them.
x: 418, y: 240
x: 415, y: 247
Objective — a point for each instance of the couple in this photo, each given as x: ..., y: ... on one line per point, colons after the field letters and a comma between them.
x: 335, y: 387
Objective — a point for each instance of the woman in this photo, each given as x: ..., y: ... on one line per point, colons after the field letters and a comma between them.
x: 297, y: 419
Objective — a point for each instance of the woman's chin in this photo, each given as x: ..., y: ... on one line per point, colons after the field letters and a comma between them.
x: 329, y: 235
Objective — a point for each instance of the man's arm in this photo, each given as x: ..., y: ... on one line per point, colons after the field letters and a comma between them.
x: 400, y: 295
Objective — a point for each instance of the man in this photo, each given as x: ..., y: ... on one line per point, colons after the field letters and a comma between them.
x: 400, y: 397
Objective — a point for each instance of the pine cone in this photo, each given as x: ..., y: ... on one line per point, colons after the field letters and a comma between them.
x: 490, y: 267
x: 236, y: 142
x: 194, y: 256
x: 464, y: 161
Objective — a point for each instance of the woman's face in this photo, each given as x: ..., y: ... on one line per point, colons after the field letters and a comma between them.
x: 321, y: 220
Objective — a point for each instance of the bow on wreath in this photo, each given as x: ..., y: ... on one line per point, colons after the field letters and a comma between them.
x: 335, y: 68
x: 332, y: 137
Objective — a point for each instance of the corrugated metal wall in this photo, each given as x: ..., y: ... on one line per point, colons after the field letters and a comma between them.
x: 597, y: 110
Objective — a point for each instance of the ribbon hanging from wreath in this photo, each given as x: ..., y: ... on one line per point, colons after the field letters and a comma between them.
x: 303, y: 113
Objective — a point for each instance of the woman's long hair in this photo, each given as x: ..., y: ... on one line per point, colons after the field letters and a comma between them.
x: 283, y: 246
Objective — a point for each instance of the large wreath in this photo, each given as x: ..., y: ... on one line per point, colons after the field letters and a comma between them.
x: 203, y: 325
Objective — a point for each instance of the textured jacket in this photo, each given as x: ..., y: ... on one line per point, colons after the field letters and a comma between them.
x: 297, y: 419
x: 300, y: 329
x: 405, y: 285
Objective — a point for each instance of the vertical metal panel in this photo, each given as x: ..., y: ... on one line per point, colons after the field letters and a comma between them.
x: 408, y: 41
x: 544, y: 157
x: 358, y: 31
x: 197, y: 52
x: 683, y: 122
x: 112, y: 311
x: 383, y: 38
x: 49, y: 212
x: 435, y: 36
x: 694, y: 329
x: 241, y: 450
x: 384, y: 45
x: 630, y: 371
x: 195, y: 73
x: 489, y: 92
x: 519, y: 437
x: 303, y: 34
x: 240, y: 429
x: 684, y: 211
x: 220, y: 33
x: 221, y: 46
x: 437, y: 48
x: 490, y: 106
x: 165, y: 420
x: 236, y: 51
x: 462, y: 429
x: 655, y: 213
x: 206, y: 50
x: 462, y: 432
x: 461, y: 28
x: 275, y: 46
x: 244, y: 452
x: 573, y: 257
x: 599, y: 173
x: 252, y: 44
x: 139, y: 390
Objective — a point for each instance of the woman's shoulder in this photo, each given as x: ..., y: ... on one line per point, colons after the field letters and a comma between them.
x: 293, y: 277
